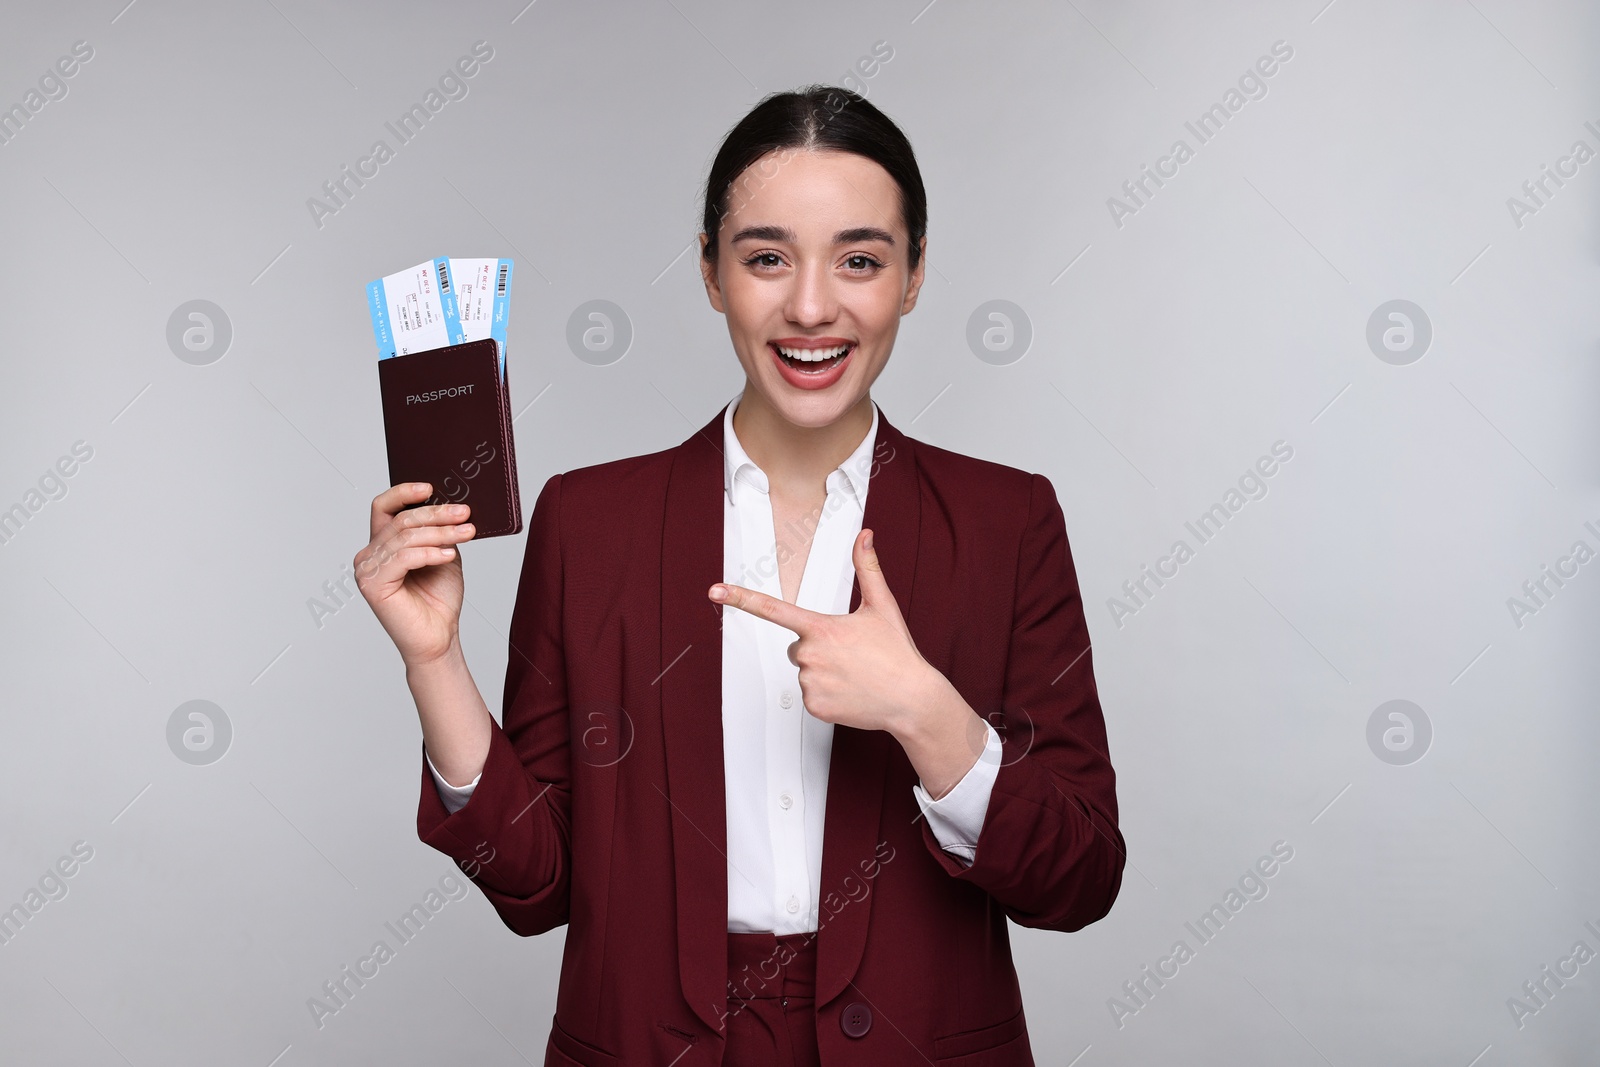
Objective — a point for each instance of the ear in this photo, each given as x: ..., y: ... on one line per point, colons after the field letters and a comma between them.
x: 916, y: 279
x: 708, y: 274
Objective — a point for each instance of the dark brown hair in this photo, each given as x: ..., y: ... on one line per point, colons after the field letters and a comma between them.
x: 816, y: 117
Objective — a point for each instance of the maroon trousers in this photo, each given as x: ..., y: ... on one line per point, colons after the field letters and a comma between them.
x: 772, y: 992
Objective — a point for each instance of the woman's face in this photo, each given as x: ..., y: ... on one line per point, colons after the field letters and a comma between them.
x: 813, y: 258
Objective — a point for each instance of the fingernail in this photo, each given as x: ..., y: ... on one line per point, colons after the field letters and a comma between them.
x: 868, y: 541
x: 719, y: 592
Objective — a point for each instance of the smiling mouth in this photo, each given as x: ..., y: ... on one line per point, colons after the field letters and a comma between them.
x: 813, y: 360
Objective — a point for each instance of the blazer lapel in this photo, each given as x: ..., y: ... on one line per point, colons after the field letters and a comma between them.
x: 859, y: 761
x: 691, y: 715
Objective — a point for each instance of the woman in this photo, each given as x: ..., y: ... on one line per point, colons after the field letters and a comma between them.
x: 908, y: 747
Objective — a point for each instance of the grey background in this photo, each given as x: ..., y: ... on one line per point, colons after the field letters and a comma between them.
x: 1167, y: 355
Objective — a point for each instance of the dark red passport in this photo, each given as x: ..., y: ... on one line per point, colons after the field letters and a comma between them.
x: 447, y: 421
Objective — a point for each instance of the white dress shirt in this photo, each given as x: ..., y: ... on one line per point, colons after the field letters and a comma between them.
x: 776, y: 755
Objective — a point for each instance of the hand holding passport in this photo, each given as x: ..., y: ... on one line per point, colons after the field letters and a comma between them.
x: 441, y: 333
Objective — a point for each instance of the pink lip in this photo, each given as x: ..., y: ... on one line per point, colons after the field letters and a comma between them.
x: 812, y: 342
x: 812, y: 380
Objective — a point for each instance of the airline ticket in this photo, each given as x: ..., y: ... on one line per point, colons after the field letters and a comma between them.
x: 415, y: 310
x: 483, y: 298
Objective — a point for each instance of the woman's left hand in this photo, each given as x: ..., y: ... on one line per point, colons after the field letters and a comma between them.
x: 861, y: 669
x: 864, y: 670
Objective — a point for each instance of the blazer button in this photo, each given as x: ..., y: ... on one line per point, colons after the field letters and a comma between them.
x: 856, y: 1020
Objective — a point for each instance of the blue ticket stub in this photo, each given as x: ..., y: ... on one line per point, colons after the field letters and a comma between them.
x: 483, y: 298
x: 415, y: 310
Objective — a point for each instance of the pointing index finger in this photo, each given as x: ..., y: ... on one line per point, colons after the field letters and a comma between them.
x: 789, y: 616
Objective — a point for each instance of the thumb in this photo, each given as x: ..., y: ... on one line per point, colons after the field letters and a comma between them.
x: 874, y: 587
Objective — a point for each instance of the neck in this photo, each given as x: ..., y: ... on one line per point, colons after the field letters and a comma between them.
x: 797, y: 458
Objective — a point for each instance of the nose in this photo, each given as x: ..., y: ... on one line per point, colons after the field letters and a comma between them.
x: 812, y: 300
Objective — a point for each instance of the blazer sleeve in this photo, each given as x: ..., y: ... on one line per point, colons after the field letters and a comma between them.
x: 1049, y: 851
x: 513, y: 837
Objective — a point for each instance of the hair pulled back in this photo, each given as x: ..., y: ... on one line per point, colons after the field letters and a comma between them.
x: 814, y: 118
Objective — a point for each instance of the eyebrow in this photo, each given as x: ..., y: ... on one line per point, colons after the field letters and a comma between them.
x: 854, y: 235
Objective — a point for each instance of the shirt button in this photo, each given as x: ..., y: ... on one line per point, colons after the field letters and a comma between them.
x: 785, y: 800
x: 787, y: 699
x: 793, y: 905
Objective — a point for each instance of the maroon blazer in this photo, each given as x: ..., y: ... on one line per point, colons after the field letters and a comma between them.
x: 601, y: 805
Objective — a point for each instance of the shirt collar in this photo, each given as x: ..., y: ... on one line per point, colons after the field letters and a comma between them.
x: 737, y: 464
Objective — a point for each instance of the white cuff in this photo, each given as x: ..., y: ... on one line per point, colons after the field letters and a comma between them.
x: 455, y: 797
x: 956, y: 818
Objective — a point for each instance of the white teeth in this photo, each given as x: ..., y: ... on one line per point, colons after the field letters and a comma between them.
x: 812, y: 355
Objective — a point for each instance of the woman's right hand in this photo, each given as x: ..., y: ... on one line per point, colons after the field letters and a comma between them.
x: 410, y: 573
